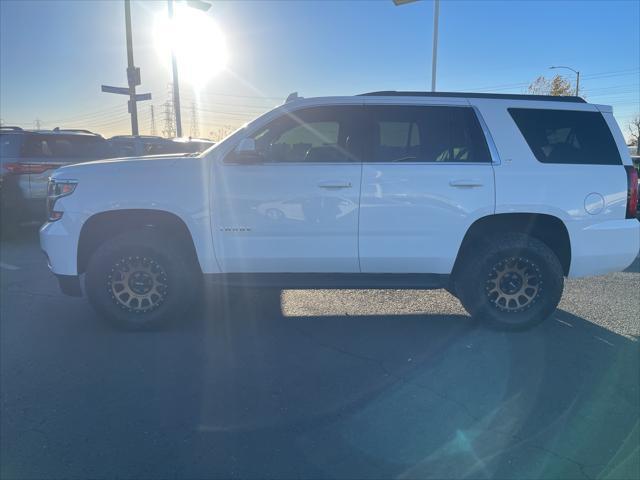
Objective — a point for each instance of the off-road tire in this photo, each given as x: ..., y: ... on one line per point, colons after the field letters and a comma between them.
x: 163, y: 259
x: 533, y: 289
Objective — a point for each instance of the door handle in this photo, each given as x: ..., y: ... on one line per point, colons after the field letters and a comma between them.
x: 334, y: 184
x: 466, y: 183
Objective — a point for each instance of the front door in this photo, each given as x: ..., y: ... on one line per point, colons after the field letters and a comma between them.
x: 295, y: 209
x: 427, y: 175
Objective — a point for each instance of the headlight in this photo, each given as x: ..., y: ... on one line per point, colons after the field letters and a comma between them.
x: 58, y: 188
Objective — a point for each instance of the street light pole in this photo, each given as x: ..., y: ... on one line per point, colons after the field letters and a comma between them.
x: 174, y: 67
x: 577, y: 76
x: 199, y: 5
x: 434, y: 53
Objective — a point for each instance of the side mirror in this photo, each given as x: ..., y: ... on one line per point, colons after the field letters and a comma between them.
x: 246, y: 145
x: 245, y: 152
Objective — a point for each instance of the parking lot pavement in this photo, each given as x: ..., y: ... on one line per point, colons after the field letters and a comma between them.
x: 343, y: 384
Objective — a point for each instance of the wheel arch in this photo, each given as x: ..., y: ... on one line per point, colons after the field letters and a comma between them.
x: 549, y: 229
x: 104, y: 226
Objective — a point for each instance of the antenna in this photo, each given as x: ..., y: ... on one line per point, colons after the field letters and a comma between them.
x: 292, y: 96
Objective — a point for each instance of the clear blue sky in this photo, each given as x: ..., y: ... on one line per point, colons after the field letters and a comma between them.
x: 54, y: 55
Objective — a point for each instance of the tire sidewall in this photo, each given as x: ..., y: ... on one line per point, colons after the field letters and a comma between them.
x: 472, y: 288
x: 167, y: 253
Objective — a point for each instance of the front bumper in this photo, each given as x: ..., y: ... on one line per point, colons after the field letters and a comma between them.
x: 59, y: 241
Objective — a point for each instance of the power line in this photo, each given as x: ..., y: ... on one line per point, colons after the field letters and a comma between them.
x: 597, y: 75
x: 255, y: 97
x: 96, y: 113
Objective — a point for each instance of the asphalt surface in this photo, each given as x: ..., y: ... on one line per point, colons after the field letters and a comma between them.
x: 317, y: 384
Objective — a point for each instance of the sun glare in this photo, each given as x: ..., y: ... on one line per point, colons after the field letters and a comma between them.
x: 199, y: 44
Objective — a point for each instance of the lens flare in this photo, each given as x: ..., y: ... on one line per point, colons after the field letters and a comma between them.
x: 198, y: 43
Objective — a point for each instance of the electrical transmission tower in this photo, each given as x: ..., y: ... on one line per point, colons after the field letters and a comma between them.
x: 38, y: 123
x: 169, y: 129
x: 194, y: 130
x: 153, y: 122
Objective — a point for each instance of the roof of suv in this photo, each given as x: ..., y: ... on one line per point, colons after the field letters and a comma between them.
x: 500, y: 96
x: 137, y: 137
x: 55, y: 131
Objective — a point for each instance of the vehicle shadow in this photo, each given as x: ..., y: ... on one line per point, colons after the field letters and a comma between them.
x: 414, y: 396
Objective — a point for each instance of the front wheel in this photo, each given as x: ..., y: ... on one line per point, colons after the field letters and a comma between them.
x: 511, y: 282
x: 140, y: 280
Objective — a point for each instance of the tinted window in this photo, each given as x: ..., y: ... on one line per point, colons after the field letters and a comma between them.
x: 425, y: 134
x: 63, y: 147
x: 564, y: 136
x: 324, y: 134
x: 10, y: 145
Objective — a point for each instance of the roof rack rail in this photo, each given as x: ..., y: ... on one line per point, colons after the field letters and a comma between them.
x: 12, y: 128
x: 499, y: 96
x: 75, y: 130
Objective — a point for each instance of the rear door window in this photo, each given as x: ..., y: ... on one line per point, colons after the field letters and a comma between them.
x: 424, y: 134
x: 565, y: 136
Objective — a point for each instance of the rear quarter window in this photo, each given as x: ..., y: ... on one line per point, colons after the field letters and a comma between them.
x: 568, y: 137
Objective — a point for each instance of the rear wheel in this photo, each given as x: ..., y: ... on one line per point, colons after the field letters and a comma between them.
x: 511, y: 282
x: 139, y: 281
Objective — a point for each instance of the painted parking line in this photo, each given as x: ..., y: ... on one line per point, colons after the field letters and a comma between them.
x: 8, y: 266
x: 564, y: 323
x: 603, y: 340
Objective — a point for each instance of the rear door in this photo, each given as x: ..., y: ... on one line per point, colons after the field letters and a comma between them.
x: 427, y: 176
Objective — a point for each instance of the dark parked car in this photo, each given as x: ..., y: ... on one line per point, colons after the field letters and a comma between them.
x: 183, y: 145
x: 27, y: 158
x: 140, y: 145
x: 137, y: 145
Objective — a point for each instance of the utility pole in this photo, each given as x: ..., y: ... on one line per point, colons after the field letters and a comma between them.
x: 131, y: 70
x: 133, y: 75
x: 199, y: 5
x: 153, y: 121
x: 176, y: 88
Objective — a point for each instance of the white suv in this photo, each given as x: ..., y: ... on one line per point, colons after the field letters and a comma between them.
x: 494, y: 197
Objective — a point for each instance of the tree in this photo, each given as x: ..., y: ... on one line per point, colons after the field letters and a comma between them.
x: 634, y: 133
x: 558, y: 86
